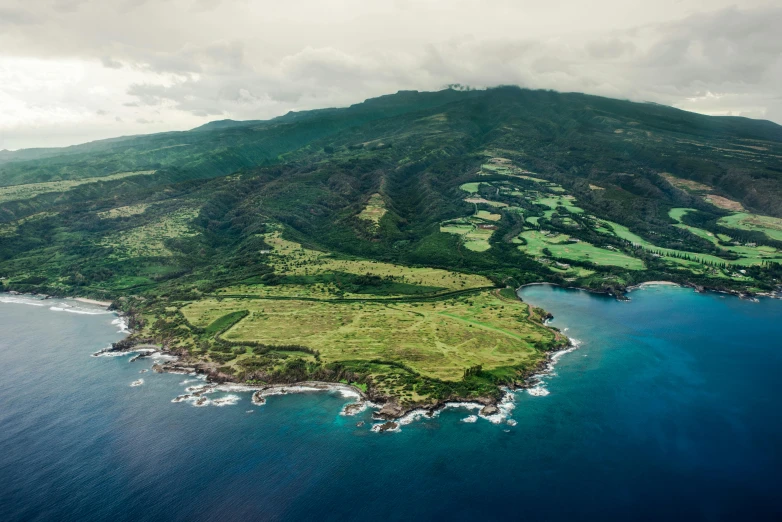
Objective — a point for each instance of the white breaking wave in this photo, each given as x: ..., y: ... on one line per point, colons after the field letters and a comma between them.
x: 347, y: 393
x: 470, y: 418
x: 21, y: 300
x: 506, y: 405
x: 200, y: 388
x: 72, y: 310
x: 538, y: 391
x: 465, y: 405
x: 107, y: 352
x: 137, y: 383
x: 201, y: 400
x: 376, y: 428
x: 558, y: 355
x: 415, y: 415
x: 163, y: 356
x: 228, y: 400
x: 354, y: 408
x: 123, y: 325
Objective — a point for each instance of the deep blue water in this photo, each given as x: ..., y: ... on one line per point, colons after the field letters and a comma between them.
x: 670, y: 409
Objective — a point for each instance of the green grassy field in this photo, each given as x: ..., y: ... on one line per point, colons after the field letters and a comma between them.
x: 472, y: 188
x: 438, y: 339
x: 754, y: 255
x: 560, y: 247
x: 319, y: 274
x: 483, y: 201
x: 475, y: 239
x: 678, y: 213
x: 554, y: 202
x: 489, y: 216
x: 770, y: 226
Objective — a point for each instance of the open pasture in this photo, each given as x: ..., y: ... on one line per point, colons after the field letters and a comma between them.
x: 753, y: 255
x: 561, y: 247
x: 437, y: 339
x: 770, y: 226
x: 472, y: 188
x: 553, y: 202
x: 291, y: 259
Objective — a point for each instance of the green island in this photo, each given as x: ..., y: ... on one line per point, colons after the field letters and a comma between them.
x: 380, y: 246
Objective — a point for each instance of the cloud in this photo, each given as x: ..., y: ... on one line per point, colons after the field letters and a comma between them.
x: 107, y: 61
x: 17, y: 16
x: 610, y: 49
x: 181, y: 63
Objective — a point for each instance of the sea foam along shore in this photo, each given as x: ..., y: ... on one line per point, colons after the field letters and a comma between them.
x: 495, y: 414
x: 196, y: 394
x: 537, y: 384
x: 66, y: 304
x: 58, y: 304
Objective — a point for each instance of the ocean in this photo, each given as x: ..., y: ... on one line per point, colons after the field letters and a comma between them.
x: 668, y: 409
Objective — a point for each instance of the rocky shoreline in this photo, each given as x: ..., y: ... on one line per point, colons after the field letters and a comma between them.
x: 388, y: 409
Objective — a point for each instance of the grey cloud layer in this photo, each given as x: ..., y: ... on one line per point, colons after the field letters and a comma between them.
x: 246, y: 59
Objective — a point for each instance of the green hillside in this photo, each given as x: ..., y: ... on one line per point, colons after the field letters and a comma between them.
x: 370, y: 243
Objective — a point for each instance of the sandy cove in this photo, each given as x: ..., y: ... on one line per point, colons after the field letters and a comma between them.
x: 105, y: 304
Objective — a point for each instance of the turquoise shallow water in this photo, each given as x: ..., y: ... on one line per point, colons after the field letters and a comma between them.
x: 669, y: 409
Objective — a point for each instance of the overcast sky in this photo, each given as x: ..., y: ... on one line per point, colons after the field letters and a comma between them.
x: 78, y: 70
